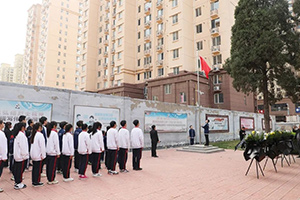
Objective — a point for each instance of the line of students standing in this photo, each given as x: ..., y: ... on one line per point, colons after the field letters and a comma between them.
x: 46, y: 146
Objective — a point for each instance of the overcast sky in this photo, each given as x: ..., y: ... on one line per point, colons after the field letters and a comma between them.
x: 13, y: 21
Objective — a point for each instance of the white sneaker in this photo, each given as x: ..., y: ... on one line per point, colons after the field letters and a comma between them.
x: 68, y: 179
x: 1, y: 190
x: 97, y: 175
x: 20, y: 186
x: 43, y: 175
x: 114, y: 172
x: 76, y: 170
x: 52, y: 182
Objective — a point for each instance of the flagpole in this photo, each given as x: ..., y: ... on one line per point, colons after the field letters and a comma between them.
x: 198, y: 92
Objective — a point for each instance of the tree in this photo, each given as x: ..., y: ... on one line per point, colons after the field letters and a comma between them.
x: 265, y: 51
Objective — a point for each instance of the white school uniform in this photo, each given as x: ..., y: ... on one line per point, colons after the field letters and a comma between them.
x: 3, y: 146
x: 97, y: 142
x: 67, y: 145
x: 84, y: 143
x: 112, y: 139
x: 53, y: 144
x: 137, y: 138
x: 21, y: 147
x: 38, y: 147
x: 124, y: 141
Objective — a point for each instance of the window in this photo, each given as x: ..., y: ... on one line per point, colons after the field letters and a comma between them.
x: 176, y: 70
x: 182, y: 97
x: 175, y: 19
x: 139, y: 49
x: 82, y: 79
x: 168, y: 89
x: 120, y: 2
x: 139, y: 62
x: 83, y: 68
x: 199, y: 28
x: 120, y: 42
x: 175, y: 36
x: 120, y: 15
x: 160, y: 13
x: 147, y: 46
x: 215, y: 23
x: 119, y: 83
x: 217, y: 79
x: 198, y: 11
x: 147, y: 60
x: 99, y: 73
x: 160, y: 27
x: 160, y: 41
x: 218, y: 98
x: 119, y: 69
x: 84, y: 56
x: 279, y: 107
x: 217, y: 59
x: 199, y: 45
x: 139, y: 22
x: 120, y: 28
x: 175, y: 53
x: 139, y: 35
x: 139, y: 9
x: 216, y: 41
x: 214, y: 6
x: 147, y: 75
x: 155, y: 98
x: 174, y: 3
x: 160, y: 56
x: 105, y: 84
x: 160, y: 72
x: 139, y: 77
x: 119, y: 55
x: 98, y: 85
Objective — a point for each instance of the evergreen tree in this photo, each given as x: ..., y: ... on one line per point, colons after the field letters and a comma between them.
x: 265, y: 51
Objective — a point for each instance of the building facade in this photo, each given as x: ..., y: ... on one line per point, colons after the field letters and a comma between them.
x: 32, y: 45
x: 6, y: 72
x: 18, y: 68
x: 51, y: 45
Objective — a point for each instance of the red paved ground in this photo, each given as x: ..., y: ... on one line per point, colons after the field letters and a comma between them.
x: 174, y: 175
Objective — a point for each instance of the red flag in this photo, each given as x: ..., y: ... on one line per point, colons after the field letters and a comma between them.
x: 204, y: 67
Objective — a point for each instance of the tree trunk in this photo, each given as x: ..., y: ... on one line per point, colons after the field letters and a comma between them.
x: 266, y: 105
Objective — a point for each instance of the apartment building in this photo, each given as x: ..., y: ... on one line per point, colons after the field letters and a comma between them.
x: 32, y: 45
x: 6, y: 73
x: 51, y: 44
x: 18, y: 68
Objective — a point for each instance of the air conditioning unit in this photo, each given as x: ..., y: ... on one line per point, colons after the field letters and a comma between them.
x: 217, y: 88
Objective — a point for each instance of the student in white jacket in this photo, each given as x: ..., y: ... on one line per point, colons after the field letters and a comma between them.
x: 53, y: 152
x: 3, y: 149
x: 97, y: 148
x: 37, y: 153
x: 112, y: 146
x: 84, y: 149
x: 124, y: 144
x: 67, y: 152
x: 21, y: 154
x: 137, y: 144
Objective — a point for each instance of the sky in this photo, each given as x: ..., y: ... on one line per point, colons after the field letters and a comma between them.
x: 13, y: 21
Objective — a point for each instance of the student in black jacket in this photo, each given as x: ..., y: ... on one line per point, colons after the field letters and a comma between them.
x: 192, y: 135
x: 154, y: 141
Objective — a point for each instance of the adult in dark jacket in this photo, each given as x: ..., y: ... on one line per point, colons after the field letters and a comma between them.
x: 206, y: 132
x: 192, y: 135
x: 154, y: 141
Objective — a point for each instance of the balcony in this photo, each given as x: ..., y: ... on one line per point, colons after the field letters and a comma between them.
x: 215, y: 49
x: 147, y: 24
x: 112, y: 50
x: 147, y: 38
x: 159, y: 18
x: 147, y: 11
x: 107, y: 8
x: 105, y: 64
x: 112, y: 63
x: 105, y: 42
x: 114, y: 3
x: 159, y: 33
x: 217, y: 88
x: 215, y: 31
x: 147, y: 52
x: 112, y: 77
x: 106, y: 19
x: 105, y: 54
x: 159, y: 4
x: 113, y: 38
x: 113, y: 27
x: 106, y: 30
x: 214, y: 13
x: 114, y: 15
x: 105, y: 77
x: 159, y: 62
x: 159, y: 48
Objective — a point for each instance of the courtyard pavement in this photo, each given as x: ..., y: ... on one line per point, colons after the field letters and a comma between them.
x: 174, y: 175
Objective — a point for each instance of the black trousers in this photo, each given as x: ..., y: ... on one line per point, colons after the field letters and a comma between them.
x: 136, y: 157
x: 153, y: 148
x: 11, y: 163
x: 2, y: 164
x: 19, y: 168
x: 95, y: 159
x: 83, y: 162
x: 192, y: 141
x: 241, y: 138
x: 106, y: 159
x: 66, y: 163
x: 112, y: 159
x: 51, y: 168
x: 36, y: 171
x: 59, y: 163
x: 207, y: 139
x: 122, y: 158
x: 76, y: 159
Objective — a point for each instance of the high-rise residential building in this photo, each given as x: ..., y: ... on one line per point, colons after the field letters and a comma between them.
x: 6, y: 72
x: 18, y: 68
x: 55, y: 58
x: 32, y: 45
x: 136, y: 41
